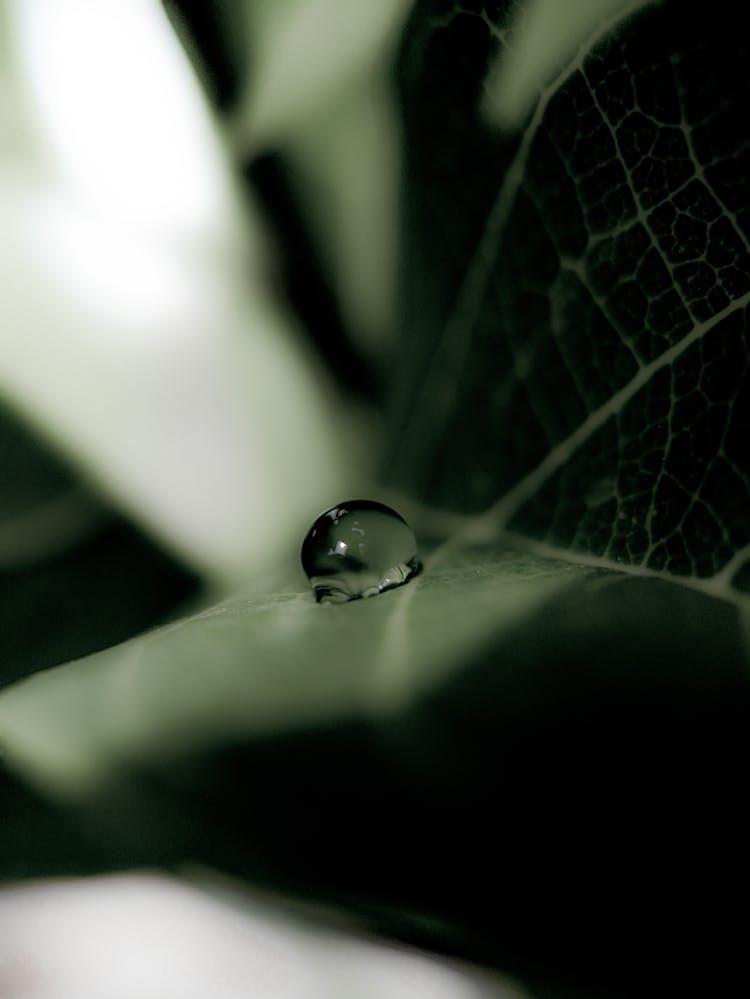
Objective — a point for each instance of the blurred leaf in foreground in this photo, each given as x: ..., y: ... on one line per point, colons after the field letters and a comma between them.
x: 106, y: 936
x: 320, y: 92
x: 75, y: 577
x: 483, y: 762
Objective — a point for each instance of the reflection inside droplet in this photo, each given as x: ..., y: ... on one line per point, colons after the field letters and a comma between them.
x: 358, y: 549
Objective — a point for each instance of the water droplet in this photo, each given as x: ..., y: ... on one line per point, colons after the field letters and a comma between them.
x: 358, y: 549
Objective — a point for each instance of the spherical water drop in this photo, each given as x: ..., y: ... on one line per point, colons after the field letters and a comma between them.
x: 358, y: 549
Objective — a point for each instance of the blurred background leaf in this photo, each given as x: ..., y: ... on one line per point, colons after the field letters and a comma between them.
x: 538, y: 40
x: 141, y: 336
x: 75, y: 576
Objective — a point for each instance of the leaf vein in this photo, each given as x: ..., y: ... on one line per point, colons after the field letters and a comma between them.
x: 507, y: 506
x: 455, y: 340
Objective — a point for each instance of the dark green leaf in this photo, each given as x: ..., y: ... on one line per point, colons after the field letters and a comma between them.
x: 509, y: 758
x: 74, y: 576
x: 578, y: 292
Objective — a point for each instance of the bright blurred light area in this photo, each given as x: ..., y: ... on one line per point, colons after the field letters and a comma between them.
x: 546, y: 35
x: 134, y: 285
x: 137, y: 333
x: 152, y: 937
x: 120, y: 111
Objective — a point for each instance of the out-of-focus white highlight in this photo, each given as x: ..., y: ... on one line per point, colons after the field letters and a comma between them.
x: 135, y: 287
x: 120, y: 110
x: 153, y: 937
x: 199, y: 418
x: 136, y: 331
x: 544, y: 35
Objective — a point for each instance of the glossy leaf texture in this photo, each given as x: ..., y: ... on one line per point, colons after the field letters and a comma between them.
x: 576, y: 293
x: 75, y: 576
x: 533, y: 765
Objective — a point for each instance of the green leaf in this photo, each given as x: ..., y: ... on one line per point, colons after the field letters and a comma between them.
x: 303, y: 53
x: 453, y: 761
x: 43, y: 509
x: 267, y: 663
x: 579, y: 363
x: 74, y: 576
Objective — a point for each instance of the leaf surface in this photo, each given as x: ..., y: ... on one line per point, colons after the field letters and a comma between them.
x: 522, y: 756
x: 578, y: 292
x: 435, y: 761
x: 263, y: 664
